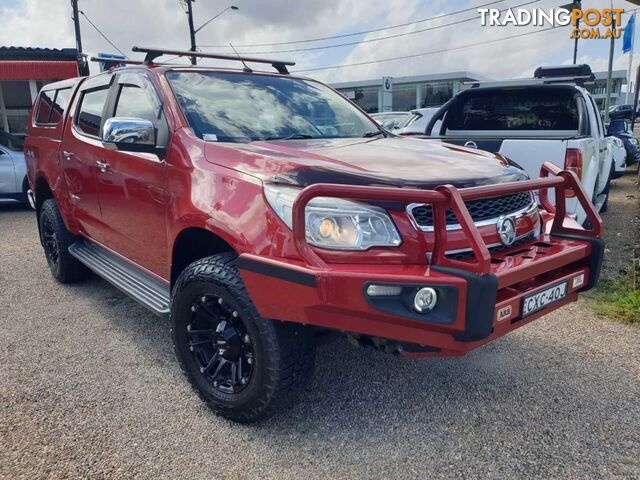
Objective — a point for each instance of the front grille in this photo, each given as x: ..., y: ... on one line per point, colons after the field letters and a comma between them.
x: 480, y: 210
x: 493, y: 250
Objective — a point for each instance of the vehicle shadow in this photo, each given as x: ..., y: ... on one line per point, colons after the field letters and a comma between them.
x: 14, y: 207
x: 360, y: 391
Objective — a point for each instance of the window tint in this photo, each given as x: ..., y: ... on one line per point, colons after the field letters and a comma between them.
x: 90, y: 111
x: 526, y: 109
x: 138, y: 102
x: 60, y: 105
x: 51, y: 106
x: 44, y: 106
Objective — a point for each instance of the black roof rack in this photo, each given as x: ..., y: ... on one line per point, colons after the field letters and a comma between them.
x: 153, y: 53
x: 116, y: 61
x: 578, y: 72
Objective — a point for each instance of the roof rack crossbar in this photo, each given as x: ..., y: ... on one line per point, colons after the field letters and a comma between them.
x: 116, y: 61
x: 153, y: 53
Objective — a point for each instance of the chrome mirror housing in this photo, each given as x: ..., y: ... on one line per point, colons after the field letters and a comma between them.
x: 127, y: 133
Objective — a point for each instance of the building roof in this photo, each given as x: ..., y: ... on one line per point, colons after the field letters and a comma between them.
x: 38, y: 54
x: 462, y: 76
x: 615, y: 74
x: 31, y: 63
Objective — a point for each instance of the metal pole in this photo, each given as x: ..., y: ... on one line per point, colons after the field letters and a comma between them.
x: 76, y: 24
x: 575, y: 45
x: 608, y: 99
x: 635, y: 100
x: 3, y: 109
x: 192, y: 33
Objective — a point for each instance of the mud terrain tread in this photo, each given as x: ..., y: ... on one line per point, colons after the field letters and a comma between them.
x: 288, y: 347
x: 69, y: 269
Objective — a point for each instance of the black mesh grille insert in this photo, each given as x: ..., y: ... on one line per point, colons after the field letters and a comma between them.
x: 492, y: 250
x: 484, y: 209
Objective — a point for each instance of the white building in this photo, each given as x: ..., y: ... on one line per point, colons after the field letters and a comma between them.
x: 420, y: 91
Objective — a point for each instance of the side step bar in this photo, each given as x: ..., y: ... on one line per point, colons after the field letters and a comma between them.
x: 136, y: 283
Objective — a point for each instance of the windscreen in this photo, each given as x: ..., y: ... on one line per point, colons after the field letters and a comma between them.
x: 519, y: 109
x: 237, y: 107
x: 12, y: 141
x: 391, y: 121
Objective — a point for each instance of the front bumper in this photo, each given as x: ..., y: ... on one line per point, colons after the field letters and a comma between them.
x: 478, y: 309
x: 481, y: 298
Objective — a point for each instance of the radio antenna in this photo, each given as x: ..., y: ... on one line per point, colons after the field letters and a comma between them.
x: 246, y: 68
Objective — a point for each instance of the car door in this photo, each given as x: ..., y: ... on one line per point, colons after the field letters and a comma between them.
x: 603, y: 149
x: 132, y: 187
x: 7, y: 174
x: 82, y: 153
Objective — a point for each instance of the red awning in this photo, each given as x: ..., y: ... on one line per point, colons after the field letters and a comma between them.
x: 37, y: 70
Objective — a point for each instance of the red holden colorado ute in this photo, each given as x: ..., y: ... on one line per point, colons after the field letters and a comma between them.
x: 255, y: 209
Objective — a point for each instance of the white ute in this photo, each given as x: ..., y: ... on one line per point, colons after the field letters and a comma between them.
x: 549, y: 118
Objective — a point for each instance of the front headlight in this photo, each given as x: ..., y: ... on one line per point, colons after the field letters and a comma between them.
x: 633, y: 141
x: 335, y: 223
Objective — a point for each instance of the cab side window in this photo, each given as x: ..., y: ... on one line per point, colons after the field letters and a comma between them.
x: 137, y: 102
x: 137, y: 98
x: 89, y: 118
x: 45, y: 105
x: 59, y: 105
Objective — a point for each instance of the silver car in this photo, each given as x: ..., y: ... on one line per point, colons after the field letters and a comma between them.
x: 13, y: 170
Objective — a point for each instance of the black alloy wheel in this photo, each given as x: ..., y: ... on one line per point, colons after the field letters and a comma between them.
x: 50, y: 242
x: 220, y: 343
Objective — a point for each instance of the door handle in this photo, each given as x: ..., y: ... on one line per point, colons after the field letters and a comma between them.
x: 67, y: 155
x: 102, y: 166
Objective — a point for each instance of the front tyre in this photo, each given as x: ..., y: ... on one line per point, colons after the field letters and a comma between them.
x: 56, y: 240
x: 243, y: 366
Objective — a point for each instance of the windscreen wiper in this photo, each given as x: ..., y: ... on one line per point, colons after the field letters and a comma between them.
x: 293, y: 136
x: 373, y: 134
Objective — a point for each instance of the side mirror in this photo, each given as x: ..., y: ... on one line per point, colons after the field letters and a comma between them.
x: 130, y: 134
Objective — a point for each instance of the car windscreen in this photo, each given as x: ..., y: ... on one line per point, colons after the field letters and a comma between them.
x: 238, y: 107
x: 391, y: 121
x: 14, y: 142
x: 515, y: 109
x: 617, y: 126
x: 414, y: 116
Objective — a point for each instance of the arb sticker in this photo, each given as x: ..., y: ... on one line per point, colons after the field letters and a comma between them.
x: 504, y: 313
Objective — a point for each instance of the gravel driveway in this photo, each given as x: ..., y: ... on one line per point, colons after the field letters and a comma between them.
x: 89, y: 388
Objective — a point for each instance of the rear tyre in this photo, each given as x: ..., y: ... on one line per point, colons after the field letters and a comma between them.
x: 56, y: 240
x: 25, y: 188
x: 243, y: 366
x: 607, y: 188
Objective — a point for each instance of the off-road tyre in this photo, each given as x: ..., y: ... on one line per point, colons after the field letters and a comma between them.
x: 607, y: 189
x: 56, y: 240
x: 283, y: 353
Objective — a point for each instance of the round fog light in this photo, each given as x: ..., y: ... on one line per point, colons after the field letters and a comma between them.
x: 425, y: 300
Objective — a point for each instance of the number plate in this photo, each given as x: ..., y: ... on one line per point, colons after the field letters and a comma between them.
x: 537, y: 301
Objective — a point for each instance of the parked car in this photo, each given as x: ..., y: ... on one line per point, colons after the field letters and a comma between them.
x: 13, y: 169
x: 532, y: 122
x: 391, y: 120
x: 621, y: 129
x: 417, y: 122
x: 621, y: 112
x: 253, y: 221
x: 619, y: 165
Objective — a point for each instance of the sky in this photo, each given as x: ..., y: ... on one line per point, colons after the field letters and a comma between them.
x: 47, y: 23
